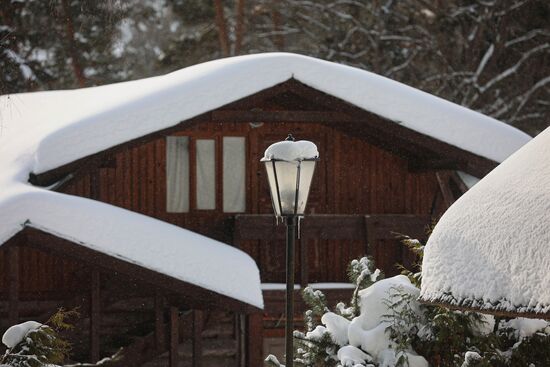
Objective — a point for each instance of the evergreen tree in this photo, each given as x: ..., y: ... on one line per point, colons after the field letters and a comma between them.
x: 32, y: 344
x: 445, y: 338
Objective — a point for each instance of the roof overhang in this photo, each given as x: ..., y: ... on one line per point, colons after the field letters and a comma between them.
x: 177, y: 291
x: 489, y: 251
x: 422, y: 151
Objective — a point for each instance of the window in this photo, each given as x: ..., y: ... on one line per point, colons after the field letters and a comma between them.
x: 177, y: 174
x: 234, y: 174
x: 206, y: 173
x: 194, y: 163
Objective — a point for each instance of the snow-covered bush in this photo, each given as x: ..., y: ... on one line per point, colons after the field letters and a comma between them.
x: 32, y: 344
x: 385, y: 326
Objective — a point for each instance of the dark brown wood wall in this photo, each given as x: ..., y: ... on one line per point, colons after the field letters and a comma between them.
x: 353, y: 177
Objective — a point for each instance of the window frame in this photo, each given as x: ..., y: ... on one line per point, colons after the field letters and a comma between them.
x: 218, y: 148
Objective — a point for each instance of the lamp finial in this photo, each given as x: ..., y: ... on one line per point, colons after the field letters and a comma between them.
x: 289, y: 137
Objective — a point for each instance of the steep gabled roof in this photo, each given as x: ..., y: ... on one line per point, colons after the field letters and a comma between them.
x: 490, y: 250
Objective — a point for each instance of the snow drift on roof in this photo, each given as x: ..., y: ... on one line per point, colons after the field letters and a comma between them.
x: 490, y: 249
x: 84, y: 121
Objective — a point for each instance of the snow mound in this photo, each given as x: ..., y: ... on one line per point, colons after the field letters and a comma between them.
x: 15, y: 334
x: 349, y: 356
x: 489, y: 251
x: 291, y: 151
x: 368, y: 330
x: 337, y: 327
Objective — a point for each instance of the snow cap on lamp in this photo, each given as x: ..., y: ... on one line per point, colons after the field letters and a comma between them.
x: 290, y: 165
x: 290, y: 150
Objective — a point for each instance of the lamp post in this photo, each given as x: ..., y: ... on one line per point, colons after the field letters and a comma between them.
x: 290, y: 165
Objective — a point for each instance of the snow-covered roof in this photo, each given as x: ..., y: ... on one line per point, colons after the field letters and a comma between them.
x: 45, y: 130
x: 491, y: 249
x: 76, y: 123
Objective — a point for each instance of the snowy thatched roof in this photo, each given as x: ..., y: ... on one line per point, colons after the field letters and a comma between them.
x: 491, y: 249
x: 45, y: 130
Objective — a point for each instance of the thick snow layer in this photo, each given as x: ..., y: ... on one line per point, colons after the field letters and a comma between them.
x: 490, y: 249
x: 15, y: 334
x: 76, y: 123
x: 527, y: 327
x: 350, y: 356
x: 337, y: 327
x: 368, y: 330
x: 290, y: 151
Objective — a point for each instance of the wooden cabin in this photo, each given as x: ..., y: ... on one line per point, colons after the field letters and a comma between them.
x: 376, y: 177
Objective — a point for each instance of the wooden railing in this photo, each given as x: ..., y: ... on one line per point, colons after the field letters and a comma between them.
x: 377, y: 232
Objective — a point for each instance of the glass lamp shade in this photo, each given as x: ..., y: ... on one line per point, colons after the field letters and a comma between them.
x: 289, y: 184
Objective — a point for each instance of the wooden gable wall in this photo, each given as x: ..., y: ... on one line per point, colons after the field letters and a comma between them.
x: 353, y: 177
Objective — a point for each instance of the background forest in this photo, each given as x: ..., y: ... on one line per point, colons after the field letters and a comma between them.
x: 492, y: 56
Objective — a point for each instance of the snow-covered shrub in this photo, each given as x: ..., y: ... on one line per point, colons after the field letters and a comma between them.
x: 32, y: 344
x: 385, y: 326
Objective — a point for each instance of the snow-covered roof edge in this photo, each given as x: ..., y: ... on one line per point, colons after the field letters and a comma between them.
x: 134, y: 238
x: 503, y: 307
x: 157, y: 104
x: 489, y: 250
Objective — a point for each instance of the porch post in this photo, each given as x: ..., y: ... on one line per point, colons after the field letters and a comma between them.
x: 95, y: 316
x: 174, y: 337
x: 159, y: 321
x: 197, y: 338
x: 13, y: 284
x: 255, y: 338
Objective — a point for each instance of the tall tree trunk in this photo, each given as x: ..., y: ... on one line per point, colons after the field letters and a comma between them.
x: 222, y: 28
x: 239, y: 29
x: 278, y: 39
x: 69, y: 33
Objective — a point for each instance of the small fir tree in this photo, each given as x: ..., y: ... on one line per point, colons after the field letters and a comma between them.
x: 43, y: 346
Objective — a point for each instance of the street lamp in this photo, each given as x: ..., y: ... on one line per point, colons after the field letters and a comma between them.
x: 290, y: 165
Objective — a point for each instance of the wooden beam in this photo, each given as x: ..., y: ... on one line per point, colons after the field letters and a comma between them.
x: 495, y: 312
x: 319, y: 226
x: 197, y: 338
x: 13, y: 284
x: 88, y: 163
x: 274, y: 300
x: 458, y: 181
x: 304, y: 266
x: 159, y: 321
x: 174, y: 337
x: 240, y: 323
x: 180, y: 292
x: 255, y: 354
x: 423, y: 165
x: 281, y: 116
x: 443, y: 182
x: 95, y: 316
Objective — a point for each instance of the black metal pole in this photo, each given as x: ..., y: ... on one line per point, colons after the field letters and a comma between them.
x: 289, y: 326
